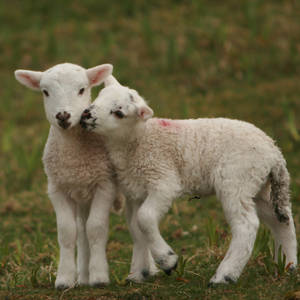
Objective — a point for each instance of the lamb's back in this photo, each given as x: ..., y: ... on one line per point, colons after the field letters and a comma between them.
x: 207, y: 135
x: 197, y: 147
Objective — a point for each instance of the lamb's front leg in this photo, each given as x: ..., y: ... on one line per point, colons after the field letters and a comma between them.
x: 66, y: 230
x: 83, y: 251
x: 97, y: 231
x: 148, y: 217
x: 142, y: 263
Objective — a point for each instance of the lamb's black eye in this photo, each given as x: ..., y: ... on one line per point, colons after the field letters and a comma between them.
x: 119, y: 114
x: 46, y: 93
x: 81, y: 91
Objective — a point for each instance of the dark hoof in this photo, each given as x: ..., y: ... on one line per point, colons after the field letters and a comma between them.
x: 62, y: 287
x: 99, y: 285
x: 145, y: 273
x: 82, y: 284
x: 229, y: 279
x: 169, y: 271
x: 129, y: 281
x: 292, y: 269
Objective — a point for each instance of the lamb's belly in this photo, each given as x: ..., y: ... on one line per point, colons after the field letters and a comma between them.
x: 78, y: 183
x: 79, y: 192
x: 81, y: 195
x: 133, y: 190
x: 196, y: 180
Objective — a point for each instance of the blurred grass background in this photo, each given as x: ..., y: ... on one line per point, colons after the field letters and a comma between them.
x: 189, y: 59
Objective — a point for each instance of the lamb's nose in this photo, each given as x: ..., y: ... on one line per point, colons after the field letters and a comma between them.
x: 86, y: 114
x: 63, y: 117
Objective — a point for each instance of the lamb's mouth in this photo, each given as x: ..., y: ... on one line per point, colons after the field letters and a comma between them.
x: 89, y: 124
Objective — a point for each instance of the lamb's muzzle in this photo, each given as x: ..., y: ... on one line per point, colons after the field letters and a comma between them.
x: 63, y: 119
x: 87, y: 121
x: 85, y: 116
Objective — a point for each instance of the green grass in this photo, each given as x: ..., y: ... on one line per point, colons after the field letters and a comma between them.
x: 200, y: 58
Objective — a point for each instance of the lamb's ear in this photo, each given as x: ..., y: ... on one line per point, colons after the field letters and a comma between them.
x: 30, y: 79
x: 98, y: 74
x: 111, y: 80
x: 144, y: 112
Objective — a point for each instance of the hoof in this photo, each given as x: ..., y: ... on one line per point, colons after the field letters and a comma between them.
x: 141, y: 276
x: 99, y: 285
x: 83, y: 282
x: 228, y: 279
x: 137, y: 277
x: 62, y: 287
x: 145, y: 273
x: 169, y: 271
x: 130, y: 281
x: 292, y: 269
x: 167, y: 262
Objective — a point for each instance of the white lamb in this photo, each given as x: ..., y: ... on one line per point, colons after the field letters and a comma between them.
x: 158, y: 160
x: 80, y: 176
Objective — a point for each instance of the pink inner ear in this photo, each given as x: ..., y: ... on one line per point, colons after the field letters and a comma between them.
x: 97, y: 77
x: 32, y: 82
x: 144, y: 113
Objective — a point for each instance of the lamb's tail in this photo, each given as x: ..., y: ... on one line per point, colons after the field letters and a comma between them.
x: 280, y: 194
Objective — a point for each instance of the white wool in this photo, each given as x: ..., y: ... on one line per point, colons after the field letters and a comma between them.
x: 80, y: 176
x: 158, y: 160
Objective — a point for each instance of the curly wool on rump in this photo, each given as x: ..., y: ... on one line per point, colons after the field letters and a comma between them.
x: 158, y: 160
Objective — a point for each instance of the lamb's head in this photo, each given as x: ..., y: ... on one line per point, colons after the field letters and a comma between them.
x: 117, y: 111
x: 66, y: 90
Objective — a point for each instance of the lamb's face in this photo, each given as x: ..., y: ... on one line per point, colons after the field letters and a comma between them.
x: 66, y: 93
x: 116, y: 111
x: 66, y: 90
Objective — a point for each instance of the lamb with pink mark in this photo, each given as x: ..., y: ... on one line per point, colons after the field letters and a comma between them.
x: 158, y: 160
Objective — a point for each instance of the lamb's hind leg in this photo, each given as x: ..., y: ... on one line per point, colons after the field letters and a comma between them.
x: 142, y: 263
x: 240, y: 213
x: 283, y: 232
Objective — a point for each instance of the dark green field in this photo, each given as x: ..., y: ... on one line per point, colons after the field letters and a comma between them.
x: 197, y: 58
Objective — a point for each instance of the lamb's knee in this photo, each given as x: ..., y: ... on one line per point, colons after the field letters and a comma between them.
x: 96, y: 231
x: 245, y: 224
x: 146, y: 219
x: 253, y: 222
x: 67, y: 234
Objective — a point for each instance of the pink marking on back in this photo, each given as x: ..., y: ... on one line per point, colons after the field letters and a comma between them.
x: 164, y: 122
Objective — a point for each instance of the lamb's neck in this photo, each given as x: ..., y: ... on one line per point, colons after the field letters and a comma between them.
x: 121, y: 149
x: 73, y: 135
x: 127, y: 137
x: 120, y: 152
